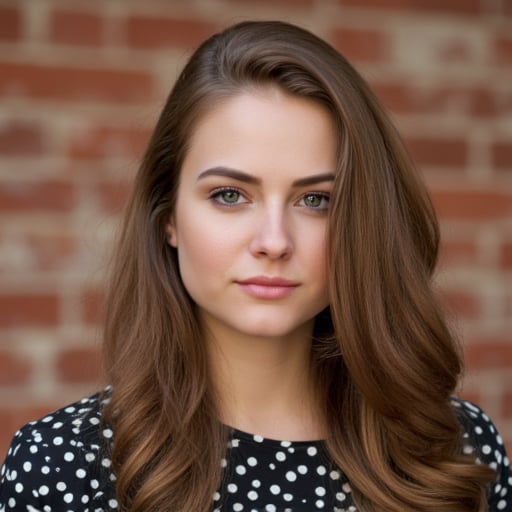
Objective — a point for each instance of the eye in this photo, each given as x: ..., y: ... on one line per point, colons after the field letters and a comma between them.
x: 315, y: 200
x: 227, y: 196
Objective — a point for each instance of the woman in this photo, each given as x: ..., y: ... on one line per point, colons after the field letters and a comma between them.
x: 272, y: 340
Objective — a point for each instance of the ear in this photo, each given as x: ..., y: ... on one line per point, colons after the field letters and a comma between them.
x: 170, y: 230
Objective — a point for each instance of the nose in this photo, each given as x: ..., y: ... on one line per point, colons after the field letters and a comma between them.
x: 272, y: 235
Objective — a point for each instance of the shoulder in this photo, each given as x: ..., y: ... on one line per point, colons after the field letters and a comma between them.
x: 59, y: 460
x: 483, y: 441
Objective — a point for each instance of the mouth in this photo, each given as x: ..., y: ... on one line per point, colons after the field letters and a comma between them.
x: 264, y: 287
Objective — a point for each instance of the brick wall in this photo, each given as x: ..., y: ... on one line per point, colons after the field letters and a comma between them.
x: 81, y: 84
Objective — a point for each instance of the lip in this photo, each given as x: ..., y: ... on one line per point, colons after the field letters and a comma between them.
x: 266, y: 287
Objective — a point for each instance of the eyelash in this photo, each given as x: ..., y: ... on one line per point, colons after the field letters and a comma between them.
x: 216, y: 194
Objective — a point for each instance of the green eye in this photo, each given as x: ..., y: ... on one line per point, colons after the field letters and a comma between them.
x: 230, y: 196
x: 316, y: 201
x: 313, y: 200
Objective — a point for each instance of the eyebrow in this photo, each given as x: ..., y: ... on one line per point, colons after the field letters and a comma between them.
x: 253, y: 180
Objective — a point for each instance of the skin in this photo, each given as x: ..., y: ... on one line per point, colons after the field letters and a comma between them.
x: 252, y: 201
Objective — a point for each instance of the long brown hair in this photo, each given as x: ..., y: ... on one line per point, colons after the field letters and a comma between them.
x: 388, y: 361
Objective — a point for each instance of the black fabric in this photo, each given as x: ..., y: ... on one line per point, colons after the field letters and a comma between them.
x: 59, y: 463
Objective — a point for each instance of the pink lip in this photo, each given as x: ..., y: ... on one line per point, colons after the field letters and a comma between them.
x: 263, y: 287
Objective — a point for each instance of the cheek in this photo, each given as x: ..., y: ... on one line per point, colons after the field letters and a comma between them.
x: 203, y: 250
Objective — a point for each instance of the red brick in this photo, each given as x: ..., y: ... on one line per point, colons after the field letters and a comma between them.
x: 461, y: 304
x: 458, y: 252
x: 113, y: 195
x: 503, y: 50
x: 488, y: 354
x: 78, y: 365
x: 10, y: 24
x: 507, y: 404
x: 150, y: 32
x: 472, y: 204
x: 361, y: 45
x: 283, y: 3
x: 506, y: 255
x: 439, y: 151
x: 109, y: 141
x: 63, y: 83
x: 23, y: 310
x: 52, y: 251
x: 14, y: 370
x: 21, y: 138
x: 92, y: 304
x: 76, y: 28
x: 471, y: 7
x: 402, y: 98
x: 52, y: 196
x: 502, y: 155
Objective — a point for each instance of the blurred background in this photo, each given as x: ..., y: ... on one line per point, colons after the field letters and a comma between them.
x: 81, y: 86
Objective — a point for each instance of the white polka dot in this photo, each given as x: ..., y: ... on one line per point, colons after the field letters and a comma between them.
x: 69, y: 456
x: 287, y: 496
x: 61, y: 486
x: 258, y: 439
x: 320, y: 491
x: 501, y: 505
x: 27, y: 466
x: 270, y: 508
x: 112, y: 503
x: 319, y: 503
x: 275, y: 489
x: 312, y: 451
x: 252, y: 461
x: 57, y: 441
x: 291, y: 476
x: 241, y: 470
x: 280, y: 456
x: 81, y: 473
x: 252, y: 495
x: 107, y: 433
x: 256, y: 483
x: 335, y: 475
x: 44, y: 490
x: 11, y: 502
x: 486, y: 449
x: 232, y: 488
x: 18, y: 487
x: 84, y: 499
x: 68, y: 498
x: 45, y: 470
x: 321, y: 470
x: 237, y: 507
x: 340, y: 496
x: 302, y: 469
x: 216, y: 496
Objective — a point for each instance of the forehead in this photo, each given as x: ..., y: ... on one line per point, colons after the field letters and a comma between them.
x: 264, y: 128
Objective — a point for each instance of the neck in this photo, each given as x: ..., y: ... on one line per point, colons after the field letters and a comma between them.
x: 266, y: 386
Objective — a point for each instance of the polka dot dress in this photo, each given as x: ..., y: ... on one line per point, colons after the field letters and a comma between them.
x: 59, y: 464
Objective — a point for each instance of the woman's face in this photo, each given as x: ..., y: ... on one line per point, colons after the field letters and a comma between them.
x: 251, y: 214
